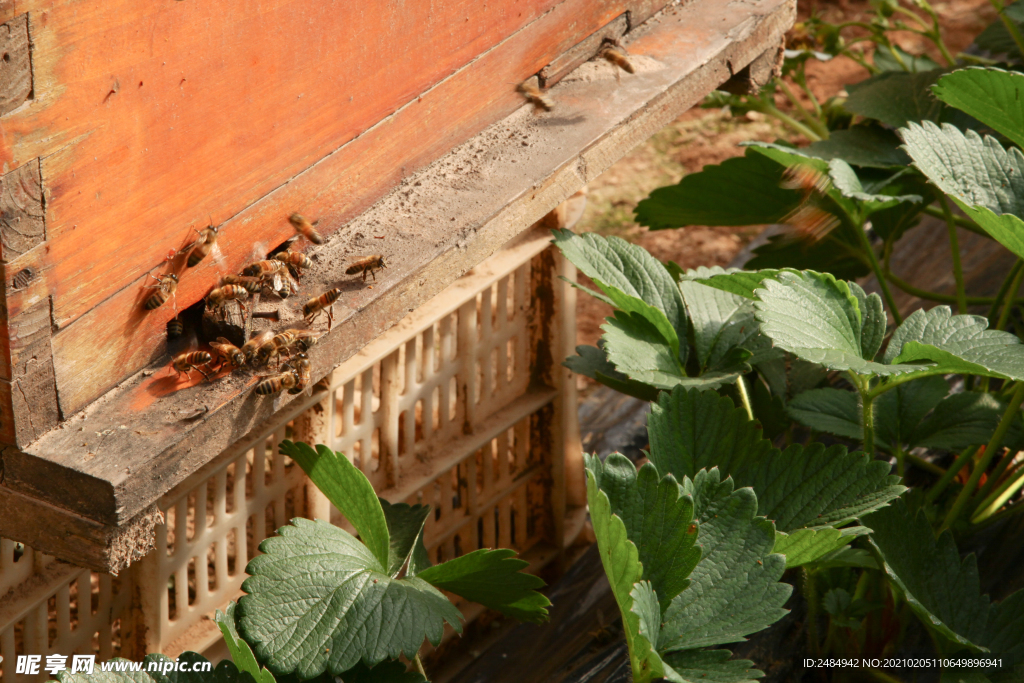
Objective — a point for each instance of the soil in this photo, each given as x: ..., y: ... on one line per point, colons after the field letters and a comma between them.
x: 703, y: 137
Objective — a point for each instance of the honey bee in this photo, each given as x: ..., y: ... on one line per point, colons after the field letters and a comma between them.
x: 367, y: 264
x: 271, y: 348
x: 252, y: 284
x: 810, y: 223
x: 617, y: 56
x: 228, y: 352
x: 175, y: 328
x: 202, y: 246
x: 165, y: 287
x: 221, y: 295
x: 264, y: 268
x: 305, y: 228
x: 295, y: 261
x: 533, y: 94
x: 277, y: 383
x: 189, y: 361
x: 301, y: 367
x: 805, y: 178
x: 316, y: 305
x: 251, y: 348
x: 304, y: 339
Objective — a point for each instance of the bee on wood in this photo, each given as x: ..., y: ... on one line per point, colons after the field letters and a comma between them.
x: 305, y: 228
x: 165, y: 287
x: 367, y: 264
x: 275, y: 384
x: 295, y: 260
x: 228, y: 352
x: 271, y: 348
x: 805, y: 178
x: 264, y: 268
x: 251, y: 348
x: 283, y: 284
x: 189, y: 361
x: 533, y: 94
x: 252, y: 284
x: 205, y: 243
x: 303, y: 339
x: 300, y: 365
x: 175, y: 328
x: 221, y: 295
x: 317, y: 305
x: 616, y: 55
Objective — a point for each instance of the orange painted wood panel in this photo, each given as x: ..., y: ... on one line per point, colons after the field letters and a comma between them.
x: 150, y: 117
x: 118, y: 337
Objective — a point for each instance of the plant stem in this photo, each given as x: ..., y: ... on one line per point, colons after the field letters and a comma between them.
x: 954, y: 248
x: 993, y: 446
x: 1014, y: 509
x: 954, y: 469
x: 811, y: 596
x: 867, y: 420
x: 1008, y: 303
x: 925, y: 464
x: 1003, y: 289
x: 993, y: 481
x: 862, y: 235
x: 1011, y: 27
x: 786, y: 119
x: 741, y: 387
x: 419, y: 665
x: 998, y: 499
x: 939, y: 296
x: 812, y: 122
x: 899, y: 460
x: 962, y: 221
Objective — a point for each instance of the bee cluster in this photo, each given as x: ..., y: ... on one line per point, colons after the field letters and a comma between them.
x: 279, y: 275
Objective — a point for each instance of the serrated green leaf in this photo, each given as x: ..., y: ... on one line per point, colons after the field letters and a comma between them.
x: 348, y: 489
x: 899, y: 411
x: 241, y: 653
x: 894, y: 98
x: 848, y: 557
x: 690, y: 431
x: 830, y: 410
x: 743, y: 282
x: 983, y: 178
x: 592, y: 362
x: 735, y: 588
x: 959, y: 421
x: 621, y: 563
x: 319, y: 600
x: 845, y: 179
x: 837, y: 253
x: 988, y: 94
x: 892, y: 58
x: 873, y: 321
x: 868, y: 146
x: 629, y: 268
x: 711, y: 666
x: 997, y: 39
x: 493, y: 578
x: 658, y: 519
x: 804, y: 546
x: 942, y: 589
x: 721, y: 322
x: 957, y: 344
x: 647, y: 614
x: 816, y: 317
x: 405, y: 528
x: 657, y: 318
x: 385, y: 672
x: 741, y: 191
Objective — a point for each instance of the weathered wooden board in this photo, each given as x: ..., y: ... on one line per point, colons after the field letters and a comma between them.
x: 439, y: 223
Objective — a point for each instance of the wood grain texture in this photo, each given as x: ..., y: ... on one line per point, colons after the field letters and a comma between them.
x: 441, y: 222
x: 21, y: 211
x: 114, y: 339
x: 15, y: 64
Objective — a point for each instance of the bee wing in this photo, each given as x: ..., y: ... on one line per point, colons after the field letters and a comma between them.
x: 259, y: 252
x: 278, y: 282
x: 216, y: 255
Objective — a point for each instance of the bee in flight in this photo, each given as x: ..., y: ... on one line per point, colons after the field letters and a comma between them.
x: 189, y: 361
x: 367, y: 264
x: 300, y: 365
x: 305, y: 228
x: 228, y: 353
x: 295, y: 260
x: 809, y: 221
x: 315, y: 306
x: 617, y: 56
x: 275, y: 384
x: 251, y: 348
x: 535, y: 96
x: 203, y: 245
x: 165, y: 287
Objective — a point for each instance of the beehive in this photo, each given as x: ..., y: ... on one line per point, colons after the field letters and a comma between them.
x: 125, y: 125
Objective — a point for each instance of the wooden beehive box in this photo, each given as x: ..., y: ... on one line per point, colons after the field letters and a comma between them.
x: 125, y: 125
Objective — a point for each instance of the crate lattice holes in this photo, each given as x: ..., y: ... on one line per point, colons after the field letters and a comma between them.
x: 444, y: 409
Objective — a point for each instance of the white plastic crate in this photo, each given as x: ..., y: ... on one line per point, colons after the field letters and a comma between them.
x: 462, y: 405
